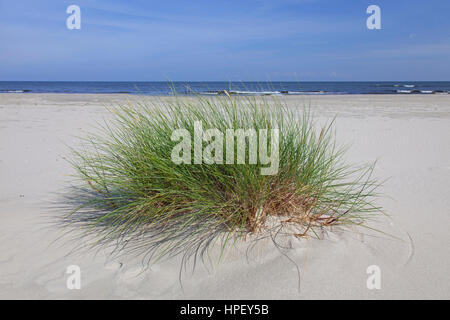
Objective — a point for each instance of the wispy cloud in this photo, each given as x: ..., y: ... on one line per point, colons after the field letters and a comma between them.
x: 319, y: 39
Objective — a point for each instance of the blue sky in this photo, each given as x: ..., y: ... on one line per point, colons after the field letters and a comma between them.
x: 298, y: 40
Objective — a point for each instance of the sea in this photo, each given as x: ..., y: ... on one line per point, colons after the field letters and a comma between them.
x: 223, y: 87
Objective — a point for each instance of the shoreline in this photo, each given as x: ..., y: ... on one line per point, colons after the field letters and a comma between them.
x: 329, y: 106
x: 244, y: 94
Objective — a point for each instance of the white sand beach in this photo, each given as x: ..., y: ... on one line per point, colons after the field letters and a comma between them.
x: 408, y: 134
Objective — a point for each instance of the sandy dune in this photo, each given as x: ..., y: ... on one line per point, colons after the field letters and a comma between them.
x: 410, y: 135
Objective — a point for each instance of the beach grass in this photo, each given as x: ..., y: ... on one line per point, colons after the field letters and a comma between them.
x: 129, y: 192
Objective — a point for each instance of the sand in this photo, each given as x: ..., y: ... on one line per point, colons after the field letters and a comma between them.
x: 409, y: 135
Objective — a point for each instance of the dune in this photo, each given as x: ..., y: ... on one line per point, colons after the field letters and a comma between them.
x: 409, y: 135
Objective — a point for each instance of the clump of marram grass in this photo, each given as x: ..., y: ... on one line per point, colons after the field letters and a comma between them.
x: 133, y: 195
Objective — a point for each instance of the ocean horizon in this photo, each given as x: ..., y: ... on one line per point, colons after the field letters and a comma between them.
x: 219, y: 87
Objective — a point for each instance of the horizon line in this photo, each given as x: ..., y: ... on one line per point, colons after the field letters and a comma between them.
x: 230, y: 81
